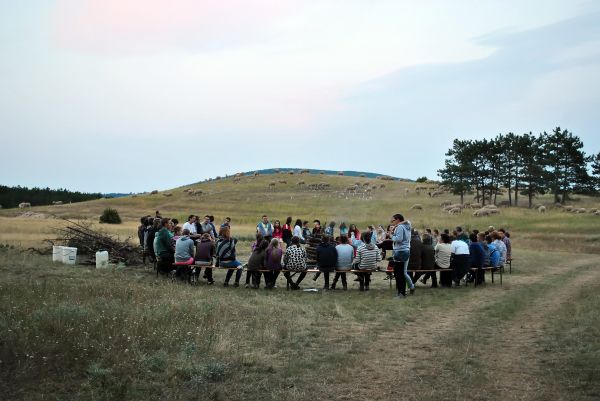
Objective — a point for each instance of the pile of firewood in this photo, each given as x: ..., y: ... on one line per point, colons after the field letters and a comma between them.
x: 88, y: 241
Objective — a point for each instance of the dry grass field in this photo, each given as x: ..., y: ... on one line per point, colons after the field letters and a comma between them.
x: 121, y: 334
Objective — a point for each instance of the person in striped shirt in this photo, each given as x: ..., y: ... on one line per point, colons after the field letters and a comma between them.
x: 367, y: 257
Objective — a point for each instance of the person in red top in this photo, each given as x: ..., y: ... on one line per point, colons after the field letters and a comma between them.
x: 354, y: 230
x: 277, y: 230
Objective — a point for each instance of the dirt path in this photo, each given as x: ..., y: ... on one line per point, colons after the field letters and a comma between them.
x: 416, y: 366
x: 519, y: 372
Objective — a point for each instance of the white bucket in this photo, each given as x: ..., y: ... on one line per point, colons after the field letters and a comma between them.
x: 101, y: 259
x: 69, y: 255
x: 57, y: 253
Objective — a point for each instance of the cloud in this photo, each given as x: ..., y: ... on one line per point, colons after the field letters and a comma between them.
x: 142, y: 26
x: 534, y: 80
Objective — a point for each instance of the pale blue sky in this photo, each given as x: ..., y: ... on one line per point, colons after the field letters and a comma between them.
x: 120, y: 96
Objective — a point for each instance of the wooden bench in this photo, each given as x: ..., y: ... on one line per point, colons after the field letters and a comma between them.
x: 492, y: 270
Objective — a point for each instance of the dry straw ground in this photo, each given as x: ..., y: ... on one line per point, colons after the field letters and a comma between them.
x: 81, y: 333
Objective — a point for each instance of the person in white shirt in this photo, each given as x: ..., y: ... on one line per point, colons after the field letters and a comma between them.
x: 190, y: 225
x: 297, y: 232
x: 459, y: 260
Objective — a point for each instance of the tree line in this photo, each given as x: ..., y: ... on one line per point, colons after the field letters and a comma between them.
x: 524, y: 165
x: 12, y: 196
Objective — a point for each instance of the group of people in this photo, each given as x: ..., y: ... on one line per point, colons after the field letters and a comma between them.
x: 294, y: 248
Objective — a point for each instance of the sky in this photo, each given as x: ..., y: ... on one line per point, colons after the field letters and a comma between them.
x: 136, y: 95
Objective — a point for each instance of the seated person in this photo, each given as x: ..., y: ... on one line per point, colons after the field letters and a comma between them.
x: 367, y: 257
x: 257, y: 262
x: 205, y: 252
x: 345, y: 257
x: 326, y: 258
x: 477, y: 255
x: 294, y: 260
x: 427, y: 261
x: 226, y: 256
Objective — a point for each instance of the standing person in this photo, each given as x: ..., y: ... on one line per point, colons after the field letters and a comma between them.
x: 326, y: 258
x: 330, y: 229
x: 401, y: 249
x: 459, y: 261
x: 298, y: 231
x: 294, y: 260
x: 461, y: 235
x: 343, y: 229
x: 212, y: 224
x: 226, y: 256
x: 153, y: 227
x: 316, y: 227
x: 367, y: 257
x: 265, y: 228
x: 164, y: 248
x: 257, y: 262
x: 206, y: 227
x: 435, y: 238
x: 277, y: 230
x: 286, y: 235
x: 355, y: 231
x: 205, y: 253
x: 345, y: 258
x: 443, y: 253
x: 274, y: 256
x: 306, y: 233
x: 141, y: 229
x: 226, y: 222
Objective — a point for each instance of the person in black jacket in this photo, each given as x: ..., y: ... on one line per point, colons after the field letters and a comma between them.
x: 326, y: 258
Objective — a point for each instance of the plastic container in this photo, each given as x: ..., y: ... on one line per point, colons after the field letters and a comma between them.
x: 101, y: 259
x: 57, y: 253
x: 69, y: 255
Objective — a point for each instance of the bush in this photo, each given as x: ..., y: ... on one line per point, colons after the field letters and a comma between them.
x: 422, y: 179
x: 110, y: 216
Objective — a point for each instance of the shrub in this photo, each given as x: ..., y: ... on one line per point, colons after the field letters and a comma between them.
x: 422, y: 179
x: 110, y: 216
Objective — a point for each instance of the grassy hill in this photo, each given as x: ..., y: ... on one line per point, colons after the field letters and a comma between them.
x: 246, y: 198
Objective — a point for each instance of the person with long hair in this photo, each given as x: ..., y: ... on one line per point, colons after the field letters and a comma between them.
x: 298, y: 231
x: 277, y: 230
x: 286, y: 231
x: 257, y: 262
x: 354, y: 230
x: 226, y: 256
x: 274, y: 256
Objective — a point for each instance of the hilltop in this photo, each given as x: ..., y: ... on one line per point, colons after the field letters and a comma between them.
x: 291, y: 170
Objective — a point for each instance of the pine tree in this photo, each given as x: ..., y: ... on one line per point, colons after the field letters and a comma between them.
x: 565, y: 163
